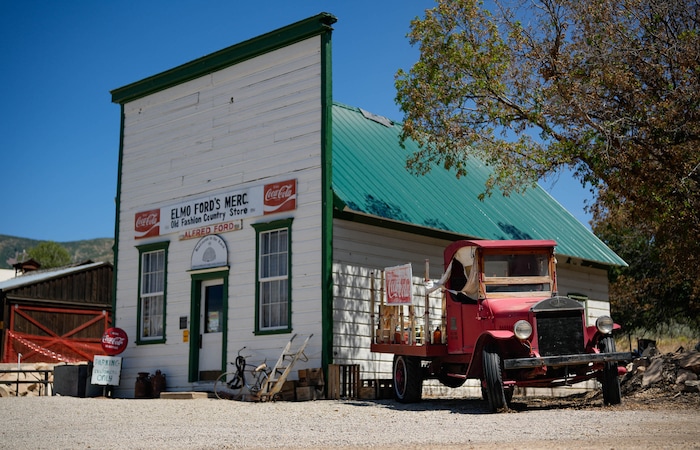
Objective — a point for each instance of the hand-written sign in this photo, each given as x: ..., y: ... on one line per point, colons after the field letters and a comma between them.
x: 106, y: 370
x: 399, y: 285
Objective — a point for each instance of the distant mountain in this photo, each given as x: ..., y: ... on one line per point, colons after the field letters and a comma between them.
x: 94, y: 249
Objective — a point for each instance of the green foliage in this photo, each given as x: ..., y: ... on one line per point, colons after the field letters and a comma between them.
x: 89, y: 249
x: 655, y: 288
x: 50, y: 254
x: 607, y: 88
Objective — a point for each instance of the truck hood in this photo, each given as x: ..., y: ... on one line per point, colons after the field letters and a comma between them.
x: 509, y: 306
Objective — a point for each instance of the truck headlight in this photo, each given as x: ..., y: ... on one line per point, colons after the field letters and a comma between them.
x: 522, y: 329
x: 604, y: 324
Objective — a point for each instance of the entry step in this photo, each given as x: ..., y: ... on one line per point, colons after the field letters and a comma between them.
x: 183, y: 395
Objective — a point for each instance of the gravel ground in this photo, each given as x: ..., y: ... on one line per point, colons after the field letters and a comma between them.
x: 101, y: 423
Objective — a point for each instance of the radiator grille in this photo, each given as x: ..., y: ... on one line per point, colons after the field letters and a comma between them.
x: 560, y: 334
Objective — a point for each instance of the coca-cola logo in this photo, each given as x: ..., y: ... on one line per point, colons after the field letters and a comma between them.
x: 399, y: 286
x: 114, y: 341
x: 280, y: 197
x: 147, y: 224
x: 281, y: 193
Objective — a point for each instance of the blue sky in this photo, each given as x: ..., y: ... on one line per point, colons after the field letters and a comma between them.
x: 59, y: 131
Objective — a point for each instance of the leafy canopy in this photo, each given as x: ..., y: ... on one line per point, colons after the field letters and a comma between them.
x: 50, y: 254
x: 607, y: 88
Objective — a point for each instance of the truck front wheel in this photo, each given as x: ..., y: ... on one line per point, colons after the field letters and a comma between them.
x: 610, y: 381
x: 408, y: 379
x: 493, y: 379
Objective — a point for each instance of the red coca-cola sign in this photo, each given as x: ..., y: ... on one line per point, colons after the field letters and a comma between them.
x: 114, y: 341
x: 147, y: 224
x: 280, y: 197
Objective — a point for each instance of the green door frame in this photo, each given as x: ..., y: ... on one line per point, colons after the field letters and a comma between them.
x: 195, y: 308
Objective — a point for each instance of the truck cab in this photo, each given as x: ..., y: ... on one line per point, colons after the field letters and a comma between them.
x: 503, y: 323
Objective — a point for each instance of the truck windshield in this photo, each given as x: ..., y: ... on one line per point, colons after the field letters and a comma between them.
x: 520, y: 272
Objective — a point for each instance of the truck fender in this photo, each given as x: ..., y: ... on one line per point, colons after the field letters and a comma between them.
x: 594, y: 336
x: 475, y: 369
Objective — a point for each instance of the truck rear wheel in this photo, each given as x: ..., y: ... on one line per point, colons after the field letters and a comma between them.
x: 493, y: 379
x: 610, y: 381
x: 408, y: 379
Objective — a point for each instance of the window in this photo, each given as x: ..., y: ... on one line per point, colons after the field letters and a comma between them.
x: 273, y: 291
x: 151, y: 308
x: 520, y: 272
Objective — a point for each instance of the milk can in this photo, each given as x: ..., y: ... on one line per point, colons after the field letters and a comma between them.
x: 157, y: 384
x: 142, y: 388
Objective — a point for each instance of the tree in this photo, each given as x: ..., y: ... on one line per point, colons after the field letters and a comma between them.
x: 608, y: 89
x: 649, y: 291
x: 50, y: 254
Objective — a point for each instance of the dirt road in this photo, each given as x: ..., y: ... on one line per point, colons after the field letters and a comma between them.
x: 100, y: 423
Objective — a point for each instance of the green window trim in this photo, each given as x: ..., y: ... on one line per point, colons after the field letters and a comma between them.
x: 144, y: 250
x: 262, y: 229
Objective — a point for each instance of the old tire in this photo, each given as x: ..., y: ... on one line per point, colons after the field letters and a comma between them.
x: 493, y: 379
x: 610, y: 381
x: 408, y: 379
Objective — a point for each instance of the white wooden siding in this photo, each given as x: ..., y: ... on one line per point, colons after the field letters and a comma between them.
x: 592, y: 283
x: 253, y: 123
x: 359, y: 250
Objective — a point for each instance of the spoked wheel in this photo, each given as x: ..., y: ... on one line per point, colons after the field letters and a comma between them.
x: 493, y: 379
x: 610, y: 381
x: 228, y: 386
x: 260, y: 385
x: 408, y: 380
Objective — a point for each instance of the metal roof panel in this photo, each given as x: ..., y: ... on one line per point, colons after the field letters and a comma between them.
x: 370, y: 177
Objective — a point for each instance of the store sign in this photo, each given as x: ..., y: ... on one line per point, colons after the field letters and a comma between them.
x: 114, y: 341
x: 219, y: 212
x: 210, y: 251
x: 399, y: 285
x: 106, y: 370
x: 212, y: 229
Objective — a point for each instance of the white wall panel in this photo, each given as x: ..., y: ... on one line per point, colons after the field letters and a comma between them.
x: 191, y: 140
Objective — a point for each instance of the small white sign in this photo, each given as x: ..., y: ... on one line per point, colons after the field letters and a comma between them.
x: 106, y: 370
x: 399, y: 285
x: 210, y: 251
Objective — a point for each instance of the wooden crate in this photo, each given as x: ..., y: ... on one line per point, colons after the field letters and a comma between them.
x: 310, y: 377
x: 385, y: 389
x: 306, y: 393
x: 368, y: 390
x: 343, y: 381
x: 288, y: 392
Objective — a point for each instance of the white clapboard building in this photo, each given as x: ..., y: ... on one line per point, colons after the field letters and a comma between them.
x: 251, y: 207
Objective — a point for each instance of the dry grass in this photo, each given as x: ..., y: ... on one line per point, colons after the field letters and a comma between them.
x: 667, y: 341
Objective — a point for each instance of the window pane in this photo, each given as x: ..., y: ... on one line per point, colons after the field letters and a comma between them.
x: 152, y: 293
x: 273, y: 281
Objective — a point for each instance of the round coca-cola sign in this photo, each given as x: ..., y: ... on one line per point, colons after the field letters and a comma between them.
x: 114, y: 341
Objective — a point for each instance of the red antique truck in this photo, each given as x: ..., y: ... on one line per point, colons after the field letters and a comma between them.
x: 502, y: 322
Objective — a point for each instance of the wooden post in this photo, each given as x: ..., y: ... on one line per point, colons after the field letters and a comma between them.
x: 426, y: 320
x: 443, y: 319
x: 373, y: 332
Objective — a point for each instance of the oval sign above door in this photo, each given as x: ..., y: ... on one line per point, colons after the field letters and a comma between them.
x: 210, y: 251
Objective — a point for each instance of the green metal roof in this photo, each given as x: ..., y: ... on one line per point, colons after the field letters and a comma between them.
x: 370, y: 177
